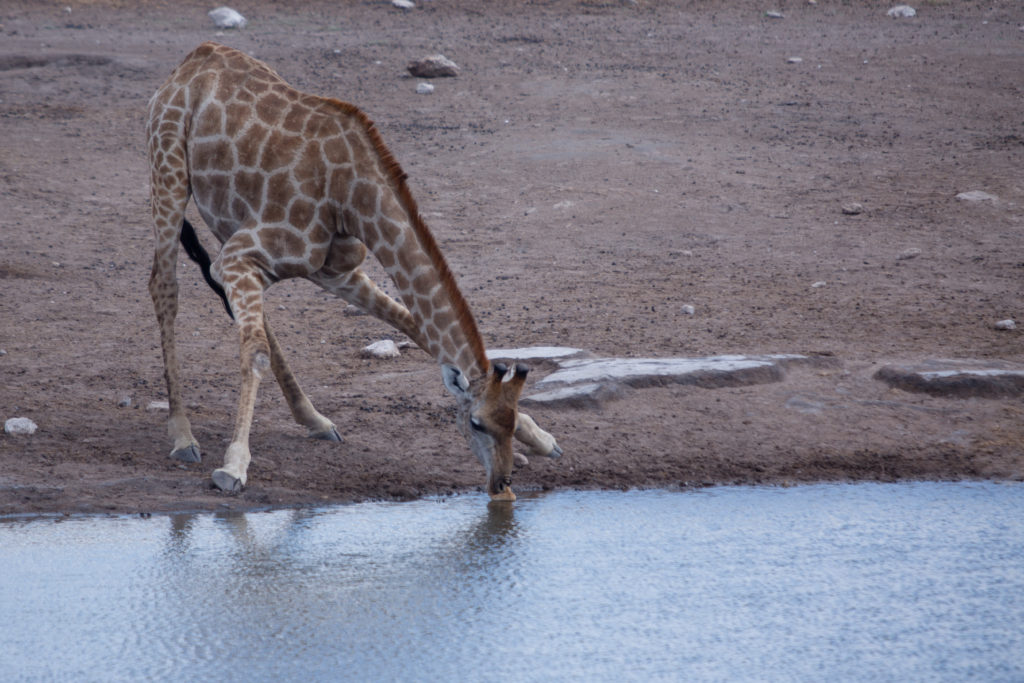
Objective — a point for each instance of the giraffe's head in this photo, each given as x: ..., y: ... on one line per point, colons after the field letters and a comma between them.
x: 487, y: 415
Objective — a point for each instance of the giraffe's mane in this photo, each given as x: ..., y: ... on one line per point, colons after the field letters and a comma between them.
x: 423, y: 233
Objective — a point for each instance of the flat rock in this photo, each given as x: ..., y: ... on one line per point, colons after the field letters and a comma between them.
x: 709, y: 372
x: 902, y: 12
x: 976, y: 196
x: 536, y: 353
x: 960, y: 378
x: 588, y: 395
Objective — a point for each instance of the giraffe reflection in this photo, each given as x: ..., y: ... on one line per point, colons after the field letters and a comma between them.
x: 295, y: 185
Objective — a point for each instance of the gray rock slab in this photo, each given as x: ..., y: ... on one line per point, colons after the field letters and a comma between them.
x: 589, y: 395
x: 536, y: 353
x: 710, y: 372
x: 961, y: 378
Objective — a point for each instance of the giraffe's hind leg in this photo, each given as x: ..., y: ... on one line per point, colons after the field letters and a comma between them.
x: 169, y: 196
x: 318, y: 426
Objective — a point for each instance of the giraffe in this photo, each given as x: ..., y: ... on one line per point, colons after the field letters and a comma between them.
x: 296, y: 185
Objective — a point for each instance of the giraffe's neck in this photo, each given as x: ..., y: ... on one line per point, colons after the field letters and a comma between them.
x: 404, y: 245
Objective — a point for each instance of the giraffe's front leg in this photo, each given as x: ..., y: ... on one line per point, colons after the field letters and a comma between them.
x: 318, y: 426
x: 244, y: 286
x: 539, y: 441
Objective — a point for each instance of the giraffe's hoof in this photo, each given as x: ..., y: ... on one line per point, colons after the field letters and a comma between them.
x: 327, y: 435
x: 187, y: 454
x: 556, y: 452
x: 226, y: 481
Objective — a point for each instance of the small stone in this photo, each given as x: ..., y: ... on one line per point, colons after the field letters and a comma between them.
x: 424, y: 88
x: 20, y: 426
x: 819, y: 284
x: 434, y: 66
x: 1007, y: 324
x: 774, y: 14
x: 125, y: 402
x: 902, y: 12
x: 907, y: 254
x: 976, y: 196
x: 403, y: 4
x: 687, y: 309
x: 353, y: 310
x: 794, y: 60
x: 154, y: 406
x: 225, y: 17
x: 852, y: 209
x: 385, y: 348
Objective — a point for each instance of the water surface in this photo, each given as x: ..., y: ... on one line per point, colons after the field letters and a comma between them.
x: 852, y: 582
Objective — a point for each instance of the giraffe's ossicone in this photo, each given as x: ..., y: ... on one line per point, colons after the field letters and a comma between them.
x: 296, y: 185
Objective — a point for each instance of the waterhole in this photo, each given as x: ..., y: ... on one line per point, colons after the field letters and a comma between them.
x: 897, y: 582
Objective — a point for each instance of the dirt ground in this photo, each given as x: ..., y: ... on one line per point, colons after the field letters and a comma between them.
x: 595, y: 167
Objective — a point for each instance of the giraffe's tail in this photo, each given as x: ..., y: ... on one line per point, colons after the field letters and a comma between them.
x: 195, y: 251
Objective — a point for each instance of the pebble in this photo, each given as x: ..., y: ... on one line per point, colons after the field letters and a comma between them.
x: 913, y: 252
x: 1007, y: 324
x: 424, y: 88
x: 819, y: 284
x: 385, y: 348
x: 902, y: 12
x: 225, y: 17
x: 794, y: 60
x: 20, y: 426
x: 403, y: 4
x: 976, y: 196
x: 125, y: 402
x: 434, y: 66
x: 687, y: 309
x: 853, y: 209
x: 773, y: 14
x: 158, y: 405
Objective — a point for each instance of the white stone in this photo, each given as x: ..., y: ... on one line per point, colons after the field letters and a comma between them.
x: 773, y: 14
x: 385, y: 348
x: 534, y: 353
x: 794, y: 60
x: 688, y: 309
x: 424, y: 88
x: 819, y: 284
x: 902, y: 12
x: 158, y: 405
x: 852, y: 209
x: 976, y: 196
x: 1007, y: 324
x: 403, y: 4
x: 225, y: 17
x: 20, y: 426
x: 906, y: 254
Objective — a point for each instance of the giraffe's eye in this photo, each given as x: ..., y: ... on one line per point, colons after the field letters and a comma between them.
x: 477, y: 425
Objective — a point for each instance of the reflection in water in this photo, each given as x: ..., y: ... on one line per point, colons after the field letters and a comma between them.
x: 911, y: 581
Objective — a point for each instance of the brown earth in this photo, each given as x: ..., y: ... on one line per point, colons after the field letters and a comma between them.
x: 595, y: 167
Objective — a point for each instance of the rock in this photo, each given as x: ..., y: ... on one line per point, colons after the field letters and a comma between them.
x: 1007, y: 324
x: 819, y: 284
x: 906, y: 254
x: 902, y: 12
x: 774, y: 14
x: 225, y: 17
x: 20, y: 426
x: 794, y: 60
x: 852, y: 209
x: 976, y: 196
x: 158, y: 405
x: 687, y: 309
x: 588, y: 395
x: 385, y: 348
x: 434, y: 66
x: 125, y: 402
x: 403, y: 4
x: 424, y: 88
x: 535, y: 353
x: 964, y: 378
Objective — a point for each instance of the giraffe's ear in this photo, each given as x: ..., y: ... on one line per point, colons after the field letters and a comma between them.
x: 454, y: 380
